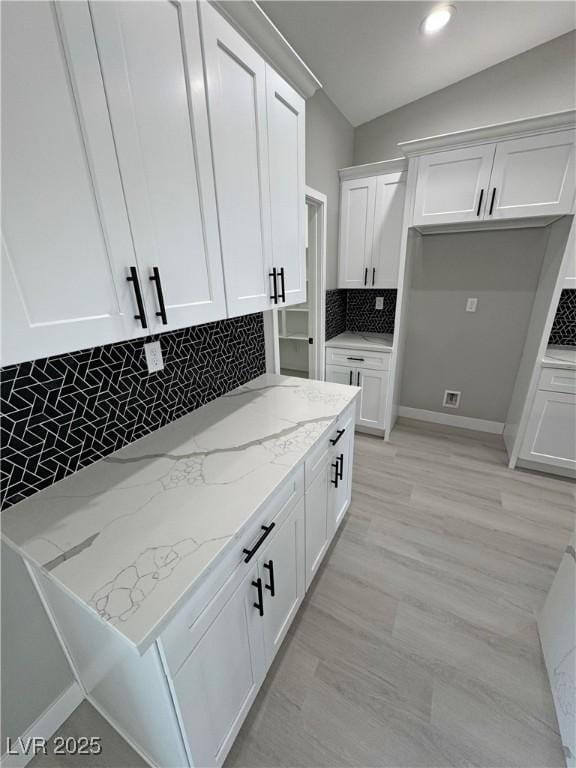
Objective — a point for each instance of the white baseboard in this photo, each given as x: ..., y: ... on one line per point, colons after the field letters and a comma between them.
x: 43, y: 727
x: 451, y: 420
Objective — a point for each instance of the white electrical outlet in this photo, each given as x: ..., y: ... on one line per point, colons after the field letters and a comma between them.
x: 379, y: 302
x: 471, y: 305
x: 153, y: 354
x: 451, y: 398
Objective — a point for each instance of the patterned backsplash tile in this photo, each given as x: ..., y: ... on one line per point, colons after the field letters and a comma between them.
x: 564, y: 327
x: 62, y: 413
x: 361, y: 315
x: 335, y: 312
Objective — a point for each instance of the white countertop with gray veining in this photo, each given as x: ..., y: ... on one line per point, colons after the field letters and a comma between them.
x: 560, y: 357
x: 376, y: 342
x: 132, y: 535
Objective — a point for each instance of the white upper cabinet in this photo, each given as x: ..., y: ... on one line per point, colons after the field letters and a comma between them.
x: 66, y: 247
x: 452, y: 186
x: 152, y: 68
x: 286, y: 146
x: 236, y: 78
x: 357, y: 204
x: 389, y: 211
x: 533, y: 176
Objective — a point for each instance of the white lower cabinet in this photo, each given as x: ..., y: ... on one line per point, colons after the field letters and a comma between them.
x: 344, y: 456
x: 551, y: 432
x: 374, y: 385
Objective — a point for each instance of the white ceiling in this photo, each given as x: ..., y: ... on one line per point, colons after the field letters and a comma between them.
x: 372, y: 58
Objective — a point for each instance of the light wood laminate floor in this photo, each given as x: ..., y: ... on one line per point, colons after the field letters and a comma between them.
x: 417, y: 643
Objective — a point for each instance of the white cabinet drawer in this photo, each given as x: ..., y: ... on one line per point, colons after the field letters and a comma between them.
x: 177, y: 639
x: 358, y: 358
x: 557, y: 380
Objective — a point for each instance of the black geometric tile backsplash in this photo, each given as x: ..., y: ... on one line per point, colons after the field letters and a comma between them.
x: 564, y: 326
x: 62, y: 413
x: 361, y: 315
x: 335, y: 312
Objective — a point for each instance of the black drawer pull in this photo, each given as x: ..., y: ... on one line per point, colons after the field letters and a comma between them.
x: 358, y: 379
x: 365, y: 275
x: 360, y: 359
x: 340, y: 459
x: 373, y: 275
x: 492, y: 201
x: 282, y: 296
x: 155, y: 277
x: 336, y: 474
x: 133, y: 278
x: 260, y: 603
x: 480, y: 202
x: 270, y: 568
x: 251, y: 552
x: 351, y: 374
x: 274, y: 275
x: 340, y: 433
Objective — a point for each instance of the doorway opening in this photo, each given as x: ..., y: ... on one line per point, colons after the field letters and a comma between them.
x: 300, y: 328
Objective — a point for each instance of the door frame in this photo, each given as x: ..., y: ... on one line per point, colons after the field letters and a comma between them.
x: 319, y: 202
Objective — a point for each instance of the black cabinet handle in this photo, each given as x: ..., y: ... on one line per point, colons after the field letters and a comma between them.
x: 336, y: 474
x: 155, y: 277
x: 251, y: 552
x: 274, y: 275
x: 339, y: 435
x: 365, y: 275
x: 133, y: 278
x: 373, y: 275
x: 492, y: 200
x: 260, y: 603
x: 340, y: 459
x: 360, y: 359
x: 358, y: 379
x: 480, y: 202
x: 282, y: 296
x: 351, y: 374
x: 270, y: 568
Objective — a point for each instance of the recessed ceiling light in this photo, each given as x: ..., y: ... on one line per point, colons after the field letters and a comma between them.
x: 437, y: 19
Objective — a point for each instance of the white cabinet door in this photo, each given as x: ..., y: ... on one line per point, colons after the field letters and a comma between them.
x: 66, y: 238
x: 452, y: 186
x: 551, y: 432
x: 388, y: 215
x: 344, y: 457
x: 282, y: 570
x: 152, y: 67
x: 372, y: 398
x: 220, y: 678
x: 319, y: 495
x: 340, y: 374
x: 286, y: 145
x: 533, y: 176
x: 357, y: 201
x: 236, y: 81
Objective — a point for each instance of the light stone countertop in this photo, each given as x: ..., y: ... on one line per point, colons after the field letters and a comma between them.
x: 560, y: 357
x: 132, y: 535
x: 376, y: 342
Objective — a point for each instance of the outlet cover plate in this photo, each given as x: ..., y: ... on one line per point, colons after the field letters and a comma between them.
x: 471, y: 304
x: 153, y: 353
x: 379, y: 302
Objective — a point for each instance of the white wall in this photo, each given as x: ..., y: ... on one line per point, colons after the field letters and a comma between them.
x: 34, y: 669
x: 538, y: 81
x: 475, y: 353
x: 329, y: 146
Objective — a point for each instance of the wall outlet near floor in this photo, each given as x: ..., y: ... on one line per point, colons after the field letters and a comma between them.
x: 451, y: 398
x: 471, y: 305
x: 379, y: 302
x: 153, y: 354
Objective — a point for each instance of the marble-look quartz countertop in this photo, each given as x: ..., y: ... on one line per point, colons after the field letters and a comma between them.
x: 131, y: 536
x: 376, y: 342
x: 560, y: 357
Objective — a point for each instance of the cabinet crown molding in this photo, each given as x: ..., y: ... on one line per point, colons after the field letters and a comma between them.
x: 397, y: 165
x: 555, y: 121
x: 251, y: 21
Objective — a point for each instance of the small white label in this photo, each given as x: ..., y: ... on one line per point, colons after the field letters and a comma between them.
x: 379, y: 302
x: 471, y: 305
x: 153, y: 353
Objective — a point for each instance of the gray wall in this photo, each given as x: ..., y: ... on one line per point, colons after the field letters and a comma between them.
x: 475, y: 353
x: 329, y: 146
x: 34, y: 668
x: 541, y: 80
